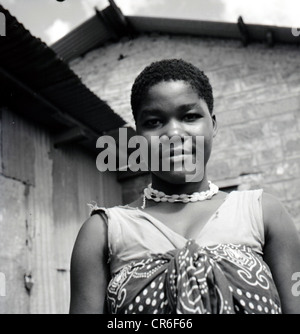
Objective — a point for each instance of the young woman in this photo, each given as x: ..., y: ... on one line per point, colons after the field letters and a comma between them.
x: 185, y: 247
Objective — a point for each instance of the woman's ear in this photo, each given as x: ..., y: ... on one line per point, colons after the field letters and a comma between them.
x: 215, y: 125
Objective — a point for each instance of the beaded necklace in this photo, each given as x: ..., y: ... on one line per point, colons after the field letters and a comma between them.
x: 159, y: 196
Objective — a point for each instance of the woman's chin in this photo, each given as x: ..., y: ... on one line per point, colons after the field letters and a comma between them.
x: 174, y: 177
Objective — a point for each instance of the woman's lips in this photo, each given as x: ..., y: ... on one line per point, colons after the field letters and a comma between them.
x: 179, y: 157
x: 177, y: 150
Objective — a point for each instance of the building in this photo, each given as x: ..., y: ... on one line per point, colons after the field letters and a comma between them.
x: 254, y: 71
x: 48, y: 171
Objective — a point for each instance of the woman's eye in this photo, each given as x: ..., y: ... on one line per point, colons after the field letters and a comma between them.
x: 151, y: 123
x: 191, y: 117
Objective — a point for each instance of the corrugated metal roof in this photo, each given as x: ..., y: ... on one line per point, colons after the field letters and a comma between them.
x: 82, y: 39
x: 108, y: 24
x: 76, y: 43
x: 255, y: 33
x: 38, y: 83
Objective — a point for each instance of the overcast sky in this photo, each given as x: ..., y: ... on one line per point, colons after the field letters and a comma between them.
x: 51, y: 19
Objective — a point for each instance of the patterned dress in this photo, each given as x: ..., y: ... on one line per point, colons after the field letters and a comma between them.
x: 195, y: 280
x: 157, y: 271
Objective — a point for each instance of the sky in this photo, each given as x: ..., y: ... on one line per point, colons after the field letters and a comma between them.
x: 52, y: 19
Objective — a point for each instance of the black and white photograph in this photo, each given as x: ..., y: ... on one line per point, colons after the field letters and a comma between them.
x: 149, y: 159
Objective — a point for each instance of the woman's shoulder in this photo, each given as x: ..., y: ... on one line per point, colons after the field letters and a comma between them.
x: 112, y: 217
x: 270, y: 205
x: 269, y: 200
x: 248, y: 192
x: 275, y: 216
x: 91, y: 242
x: 94, y: 229
x: 246, y: 197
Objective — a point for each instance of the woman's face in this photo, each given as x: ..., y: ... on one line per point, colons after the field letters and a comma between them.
x: 173, y: 108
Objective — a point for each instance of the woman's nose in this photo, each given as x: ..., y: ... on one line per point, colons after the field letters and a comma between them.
x: 174, y: 128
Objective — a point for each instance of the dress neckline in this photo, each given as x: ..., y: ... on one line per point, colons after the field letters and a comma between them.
x: 167, y: 229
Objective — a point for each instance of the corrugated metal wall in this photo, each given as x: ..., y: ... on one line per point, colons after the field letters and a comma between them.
x: 43, y: 202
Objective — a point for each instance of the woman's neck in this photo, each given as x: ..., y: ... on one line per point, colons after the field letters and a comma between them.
x: 184, y: 188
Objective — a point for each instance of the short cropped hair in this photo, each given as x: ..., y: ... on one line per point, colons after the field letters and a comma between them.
x: 170, y: 70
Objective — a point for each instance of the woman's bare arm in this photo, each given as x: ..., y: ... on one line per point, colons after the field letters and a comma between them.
x: 89, y: 269
x: 281, y: 251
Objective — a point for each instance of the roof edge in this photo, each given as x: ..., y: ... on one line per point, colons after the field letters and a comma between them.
x: 109, y: 25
